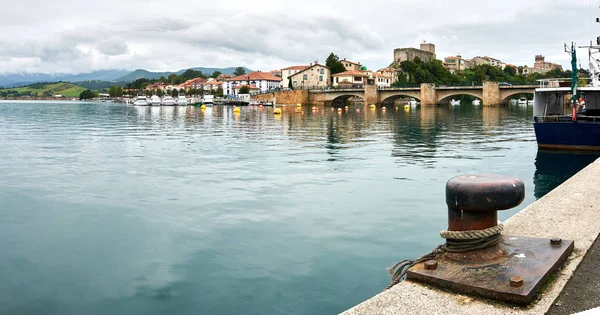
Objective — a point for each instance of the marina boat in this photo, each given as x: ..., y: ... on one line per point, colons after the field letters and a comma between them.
x: 155, y: 100
x: 141, y: 100
x: 522, y: 101
x: 412, y: 102
x: 529, y: 102
x: 208, y: 99
x: 182, y: 101
x: 579, y: 127
x: 168, y: 100
x: 454, y: 102
x: 476, y: 102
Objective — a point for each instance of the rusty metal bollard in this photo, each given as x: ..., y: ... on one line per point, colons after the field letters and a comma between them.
x: 477, y: 257
x: 473, y: 204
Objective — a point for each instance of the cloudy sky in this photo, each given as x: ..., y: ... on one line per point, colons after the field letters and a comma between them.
x: 69, y: 36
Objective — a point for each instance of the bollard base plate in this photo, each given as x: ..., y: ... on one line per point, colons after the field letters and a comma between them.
x: 532, y: 259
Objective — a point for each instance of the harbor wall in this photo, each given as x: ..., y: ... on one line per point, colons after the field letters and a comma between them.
x: 291, y: 97
x: 571, y: 212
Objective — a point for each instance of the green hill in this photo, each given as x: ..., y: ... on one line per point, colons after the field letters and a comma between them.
x: 45, y: 90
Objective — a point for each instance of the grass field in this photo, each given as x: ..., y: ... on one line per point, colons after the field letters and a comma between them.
x: 49, y: 89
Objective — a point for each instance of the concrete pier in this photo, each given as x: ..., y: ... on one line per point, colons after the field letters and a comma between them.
x: 571, y: 211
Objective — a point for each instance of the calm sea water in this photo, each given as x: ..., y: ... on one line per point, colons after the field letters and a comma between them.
x: 112, y: 209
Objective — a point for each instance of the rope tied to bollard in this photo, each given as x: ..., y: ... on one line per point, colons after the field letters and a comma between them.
x: 456, y: 242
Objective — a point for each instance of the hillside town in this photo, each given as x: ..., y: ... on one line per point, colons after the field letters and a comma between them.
x: 315, y: 75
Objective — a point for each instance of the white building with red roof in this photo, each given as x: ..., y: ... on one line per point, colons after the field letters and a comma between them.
x: 286, y: 73
x: 262, y: 80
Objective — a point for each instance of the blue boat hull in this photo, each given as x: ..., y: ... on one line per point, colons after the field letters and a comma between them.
x: 568, y: 135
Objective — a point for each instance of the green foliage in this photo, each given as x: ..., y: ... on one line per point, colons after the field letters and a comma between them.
x: 244, y: 90
x: 216, y: 74
x: 333, y: 63
x: 219, y: 92
x: 112, y: 91
x: 45, y: 89
x: 239, y: 71
x: 86, y: 95
x: 418, y: 71
x: 191, y: 74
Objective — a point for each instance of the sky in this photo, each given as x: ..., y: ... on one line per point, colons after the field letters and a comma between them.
x: 68, y: 36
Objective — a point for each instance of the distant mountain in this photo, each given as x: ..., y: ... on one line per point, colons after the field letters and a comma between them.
x: 9, y: 80
x: 21, y: 79
x: 145, y: 74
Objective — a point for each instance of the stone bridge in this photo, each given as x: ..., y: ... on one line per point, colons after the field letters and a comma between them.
x: 491, y: 94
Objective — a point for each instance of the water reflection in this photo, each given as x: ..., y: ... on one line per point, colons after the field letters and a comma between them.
x: 552, y: 168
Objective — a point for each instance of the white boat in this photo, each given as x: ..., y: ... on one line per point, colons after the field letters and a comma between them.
x: 181, y: 100
x: 476, y: 102
x: 155, y: 100
x: 454, y: 102
x: 208, y: 99
x: 522, y: 101
x: 412, y: 102
x: 141, y: 101
x: 168, y: 100
x: 530, y: 103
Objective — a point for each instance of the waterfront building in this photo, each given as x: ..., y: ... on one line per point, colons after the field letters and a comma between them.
x: 389, y: 72
x: 276, y: 73
x: 314, y: 77
x: 349, y: 65
x: 286, y: 73
x: 425, y: 53
x: 195, y: 83
x: 262, y: 80
x: 382, y: 80
x: 156, y: 86
x: 253, y: 89
x: 540, y: 66
x: 211, y: 85
x: 350, y: 78
x: 485, y: 60
x: 224, y: 76
x: 456, y: 63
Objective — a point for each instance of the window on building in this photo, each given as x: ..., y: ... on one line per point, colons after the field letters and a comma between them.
x: 322, y: 71
x: 337, y: 80
x: 305, y: 77
x: 321, y: 78
x: 295, y: 83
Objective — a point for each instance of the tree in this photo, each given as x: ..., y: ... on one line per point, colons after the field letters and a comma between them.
x: 119, y: 91
x: 333, y: 63
x: 216, y: 74
x: 173, y: 78
x: 112, y: 91
x: 219, y: 92
x: 244, y: 90
x: 160, y: 93
x: 174, y: 93
x: 239, y: 71
x: 510, y: 71
x: 86, y: 95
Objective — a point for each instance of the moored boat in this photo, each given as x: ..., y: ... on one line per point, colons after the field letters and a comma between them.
x: 208, y: 99
x: 476, y: 102
x: 522, y: 101
x: 454, y: 102
x: 141, y: 100
x: 182, y: 101
x: 155, y: 100
x: 168, y: 100
x: 579, y: 127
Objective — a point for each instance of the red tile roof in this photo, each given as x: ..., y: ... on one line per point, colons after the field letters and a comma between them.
x: 255, y: 76
x: 295, y: 68
x: 351, y: 73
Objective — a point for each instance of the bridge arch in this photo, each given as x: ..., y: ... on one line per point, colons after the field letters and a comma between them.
x: 446, y: 96
x: 393, y: 98
x: 506, y: 96
x: 342, y: 99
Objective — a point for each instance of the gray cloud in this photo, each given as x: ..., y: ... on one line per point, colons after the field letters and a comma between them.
x: 273, y: 34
